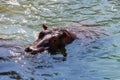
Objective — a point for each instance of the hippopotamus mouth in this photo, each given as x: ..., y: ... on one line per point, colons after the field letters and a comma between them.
x: 51, y: 40
x: 32, y: 50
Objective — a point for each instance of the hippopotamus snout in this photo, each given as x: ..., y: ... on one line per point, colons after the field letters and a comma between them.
x: 38, y: 46
x: 35, y: 50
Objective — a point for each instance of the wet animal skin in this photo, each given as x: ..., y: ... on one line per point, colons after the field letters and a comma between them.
x: 52, y: 40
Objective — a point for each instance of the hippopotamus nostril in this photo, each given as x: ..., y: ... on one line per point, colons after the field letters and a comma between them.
x: 28, y: 49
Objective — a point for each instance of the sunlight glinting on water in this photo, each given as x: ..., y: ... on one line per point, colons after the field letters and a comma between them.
x: 13, y: 2
x: 113, y: 8
x: 54, y: 0
x: 22, y: 31
x: 3, y: 18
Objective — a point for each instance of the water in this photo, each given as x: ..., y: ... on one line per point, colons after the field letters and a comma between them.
x: 98, y: 59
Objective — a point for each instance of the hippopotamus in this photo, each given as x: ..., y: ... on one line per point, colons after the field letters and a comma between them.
x: 51, y: 40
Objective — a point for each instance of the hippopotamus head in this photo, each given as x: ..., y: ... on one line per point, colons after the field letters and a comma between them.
x: 51, y: 40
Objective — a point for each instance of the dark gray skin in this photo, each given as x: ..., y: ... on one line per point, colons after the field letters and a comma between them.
x: 53, y: 40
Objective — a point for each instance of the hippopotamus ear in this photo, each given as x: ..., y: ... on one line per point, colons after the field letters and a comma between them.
x: 44, y: 27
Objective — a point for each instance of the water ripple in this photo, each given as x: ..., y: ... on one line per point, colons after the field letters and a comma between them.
x: 20, y: 20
